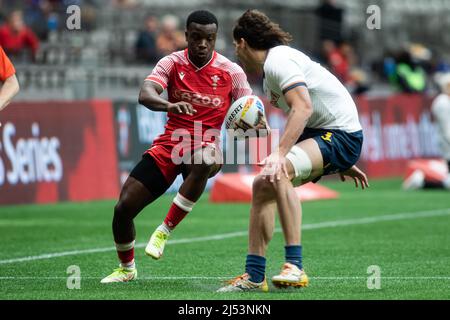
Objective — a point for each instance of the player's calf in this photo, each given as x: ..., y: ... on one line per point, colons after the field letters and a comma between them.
x: 262, y: 189
x: 196, y: 177
x: 122, y: 224
x: 181, y: 206
x: 133, y: 198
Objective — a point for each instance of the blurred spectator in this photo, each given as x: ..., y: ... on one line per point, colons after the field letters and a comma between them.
x: 443, y: 66
x: 9, y: 84
x: 330, y: 20
x: 146, y: 50
x: 125, y: 4
x: 357, y: 78
x: 335, y: 60
x: 441, y: 112
x: 387, y: 67
x: 170, y: 38
x: 16, y: 37
x: 343, y: 62
x: 36, y: 17
x: 409, y: 76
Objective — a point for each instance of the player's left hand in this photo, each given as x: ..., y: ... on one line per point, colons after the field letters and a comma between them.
x: 274, y: 166
x: 262, y: 127
x: 357, y: 175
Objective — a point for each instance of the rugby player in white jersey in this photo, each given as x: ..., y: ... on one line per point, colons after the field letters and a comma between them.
x: 322, y: 136
x: 440, y: 108
x: 441, y: 112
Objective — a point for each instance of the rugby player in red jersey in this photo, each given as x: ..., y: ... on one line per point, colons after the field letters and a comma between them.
x: 201, y: 85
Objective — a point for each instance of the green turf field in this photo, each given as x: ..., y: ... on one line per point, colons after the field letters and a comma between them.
x: 406, y: 234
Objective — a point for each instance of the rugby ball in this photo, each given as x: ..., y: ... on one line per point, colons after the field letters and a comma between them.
x: 247, y: 113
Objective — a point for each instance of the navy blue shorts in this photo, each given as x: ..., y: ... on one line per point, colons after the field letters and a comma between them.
x: 340, y: 149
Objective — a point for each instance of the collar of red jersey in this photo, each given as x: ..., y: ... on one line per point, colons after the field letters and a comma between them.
x: 186, y: 53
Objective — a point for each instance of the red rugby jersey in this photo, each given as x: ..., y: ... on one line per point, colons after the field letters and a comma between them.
x: 210, y: 89
x: 6, y: 67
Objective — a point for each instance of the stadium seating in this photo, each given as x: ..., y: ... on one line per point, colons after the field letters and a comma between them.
x: 107, y: 42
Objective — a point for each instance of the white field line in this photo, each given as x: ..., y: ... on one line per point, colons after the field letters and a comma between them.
x: 311, y: 226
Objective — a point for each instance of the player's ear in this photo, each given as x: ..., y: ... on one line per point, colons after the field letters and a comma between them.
x: 241, y: 43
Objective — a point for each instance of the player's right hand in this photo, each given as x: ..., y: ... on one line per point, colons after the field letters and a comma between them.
x: 357, y: 175
x: 181, y: 107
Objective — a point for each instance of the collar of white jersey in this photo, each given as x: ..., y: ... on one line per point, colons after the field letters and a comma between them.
x: 213, y: 56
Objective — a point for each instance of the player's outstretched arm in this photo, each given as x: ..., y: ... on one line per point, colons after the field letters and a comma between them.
x: 357, y: 175
x: 8, y: 90
x: 149, y: 96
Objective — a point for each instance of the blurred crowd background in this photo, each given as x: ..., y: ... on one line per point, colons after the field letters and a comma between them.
x: 120, y: 40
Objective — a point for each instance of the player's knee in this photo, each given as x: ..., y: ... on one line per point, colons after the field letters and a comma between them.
x: 208, y: 156
x: 122, y: 210
x: 262, y: 187
x: 119, y: 210
x: 203, y: 170
x: 214, y: 170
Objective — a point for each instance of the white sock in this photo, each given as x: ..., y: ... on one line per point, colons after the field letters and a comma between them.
x: 183, y: 203
x: 121, y: 247
x: 164, y: 228
x: 125, y: 246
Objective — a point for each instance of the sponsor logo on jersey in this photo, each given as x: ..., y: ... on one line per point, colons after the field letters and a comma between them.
x: 215, y: 79
x: 181, y: 74
x: 274, y: 98
x: 200, y: 99
x: 327, y: 136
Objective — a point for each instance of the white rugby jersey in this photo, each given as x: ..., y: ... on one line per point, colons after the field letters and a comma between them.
x: 333, y: 106
x: 441, y: 112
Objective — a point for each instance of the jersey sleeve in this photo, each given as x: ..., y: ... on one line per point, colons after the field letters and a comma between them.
x: 161, y: 72
x: 284, y: 72
x: 240, y: 85
x: 6, y: 67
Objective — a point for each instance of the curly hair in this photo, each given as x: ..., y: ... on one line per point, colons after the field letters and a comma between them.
x: 259, y: 32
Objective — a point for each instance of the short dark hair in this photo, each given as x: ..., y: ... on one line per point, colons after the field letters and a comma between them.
x: 259, y: 32
x: 201, y: 17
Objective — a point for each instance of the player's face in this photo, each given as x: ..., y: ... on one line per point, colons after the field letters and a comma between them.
x: 201, y: 40
x: 244, y: 55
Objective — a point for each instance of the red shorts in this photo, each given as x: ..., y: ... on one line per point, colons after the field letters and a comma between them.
x: 170, y: 156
